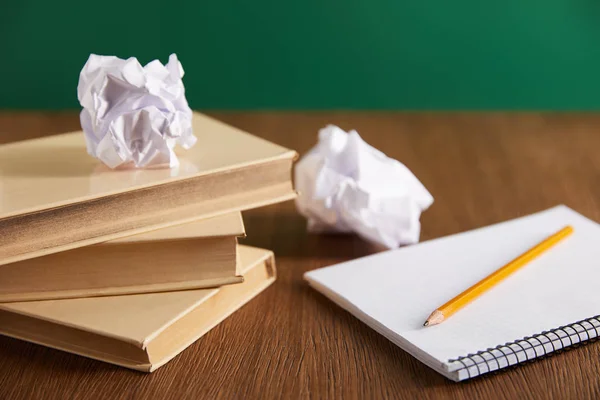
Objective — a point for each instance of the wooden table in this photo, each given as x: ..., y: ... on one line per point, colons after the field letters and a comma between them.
x: 291, y: 342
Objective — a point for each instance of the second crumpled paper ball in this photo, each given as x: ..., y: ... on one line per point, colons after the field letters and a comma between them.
x: 134, y: 114
x: 346, y: 185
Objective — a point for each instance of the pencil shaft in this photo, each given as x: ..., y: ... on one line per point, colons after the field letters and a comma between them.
x: 485, y: 284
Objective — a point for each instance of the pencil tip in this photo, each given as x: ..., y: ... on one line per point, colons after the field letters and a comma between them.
x: 435, y: 318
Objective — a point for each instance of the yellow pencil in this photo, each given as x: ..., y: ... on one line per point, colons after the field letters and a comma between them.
x: 445, y: 311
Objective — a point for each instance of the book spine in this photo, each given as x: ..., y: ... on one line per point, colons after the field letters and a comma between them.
x: 529, y: 348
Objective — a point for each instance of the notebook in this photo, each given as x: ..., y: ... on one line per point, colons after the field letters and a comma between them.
x: 550, y: 304
x: 142, y: 331
x: 195, y: 255
x: 55, y: 197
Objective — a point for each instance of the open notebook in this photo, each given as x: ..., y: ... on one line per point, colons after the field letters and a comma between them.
x: 550, y: 304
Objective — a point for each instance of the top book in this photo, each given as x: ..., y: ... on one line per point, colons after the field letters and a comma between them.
x: 55, y: 197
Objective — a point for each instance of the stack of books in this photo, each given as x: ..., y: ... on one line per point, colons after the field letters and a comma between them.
x: 132, y: 266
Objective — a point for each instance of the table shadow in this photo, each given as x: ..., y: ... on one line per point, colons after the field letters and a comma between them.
x: 287, y: 236
x: 43, y: 358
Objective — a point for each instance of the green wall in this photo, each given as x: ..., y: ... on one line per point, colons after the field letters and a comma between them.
x: 261, y: 54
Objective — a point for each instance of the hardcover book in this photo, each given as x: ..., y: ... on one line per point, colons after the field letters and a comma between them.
x: 142, y: 331
x: 194, y: 255
x: 55, y: 197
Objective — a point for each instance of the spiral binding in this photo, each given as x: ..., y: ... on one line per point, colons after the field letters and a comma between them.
x: 526, y: 349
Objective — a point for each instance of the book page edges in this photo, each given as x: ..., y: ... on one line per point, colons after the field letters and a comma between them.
x: 230, y: 224
x: 123, y: 268
x: 260, y: 198
x: 119, y: 291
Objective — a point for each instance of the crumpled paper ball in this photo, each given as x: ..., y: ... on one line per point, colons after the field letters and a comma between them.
x: 133, y: 114
x: 346, y: 185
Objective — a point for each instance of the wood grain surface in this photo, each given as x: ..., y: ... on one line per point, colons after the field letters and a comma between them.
x: 291, y: 342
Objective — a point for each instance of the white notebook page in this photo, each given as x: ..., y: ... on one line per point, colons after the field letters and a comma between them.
x: 395, y: 291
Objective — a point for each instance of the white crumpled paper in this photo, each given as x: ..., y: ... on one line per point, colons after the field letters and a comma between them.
x: 134, y: 114
x: 346, y: 185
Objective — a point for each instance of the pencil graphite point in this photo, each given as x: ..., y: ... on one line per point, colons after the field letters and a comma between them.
x: 435, y: 318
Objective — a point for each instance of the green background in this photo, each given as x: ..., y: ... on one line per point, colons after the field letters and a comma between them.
x: 262, y: 54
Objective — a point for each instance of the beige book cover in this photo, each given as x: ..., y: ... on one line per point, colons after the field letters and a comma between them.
x: 142, y: 331
x: 194, y: 255
x: 55, y: 197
